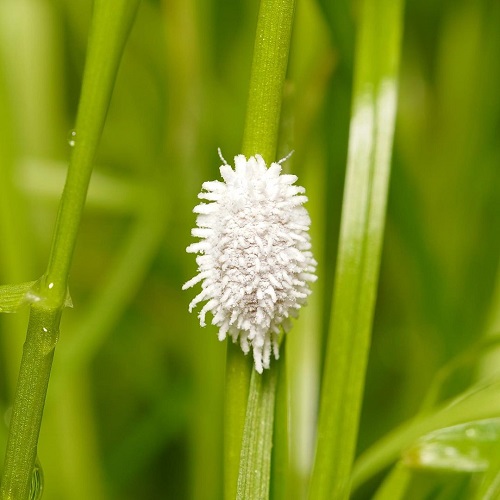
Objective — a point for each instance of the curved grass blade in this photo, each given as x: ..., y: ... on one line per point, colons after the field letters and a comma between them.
x: 483, y: 402
x: 489, y: 488
x: 395, y: 484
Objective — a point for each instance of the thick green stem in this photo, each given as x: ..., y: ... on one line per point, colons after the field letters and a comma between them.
x: 110, y: 27
x: 270, y: 59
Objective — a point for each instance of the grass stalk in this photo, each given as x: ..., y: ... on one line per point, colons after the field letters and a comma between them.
x: 270, y: 59
x: 489, y: 488
x: 109, y: 31
x: 107, y: 38
x: 362, y: 228
x: 238, y: 372
x: 255, y: 462
x: 395, y: 484
x: 280, y: 480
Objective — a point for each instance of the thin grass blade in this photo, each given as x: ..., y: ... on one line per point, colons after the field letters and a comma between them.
x: 362, y: 228
x: 255, y: 460
x: 489, y: 488
x: 395, y: 484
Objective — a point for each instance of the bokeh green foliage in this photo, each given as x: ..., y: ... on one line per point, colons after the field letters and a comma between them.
x: 135, y: 401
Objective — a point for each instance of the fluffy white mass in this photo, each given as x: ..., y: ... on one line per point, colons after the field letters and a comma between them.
x: 255, y: 261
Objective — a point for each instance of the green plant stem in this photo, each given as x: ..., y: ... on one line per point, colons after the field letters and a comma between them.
x: 111, y: 298
x: 109, y: 31
x: 255, y: 459
x: 270, y: 59
x: 280, y: 457
x: 238, y: 372
x: 362, y: 228
x: 38, y: 352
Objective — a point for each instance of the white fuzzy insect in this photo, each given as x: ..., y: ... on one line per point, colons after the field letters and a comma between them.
x: 255, y: 261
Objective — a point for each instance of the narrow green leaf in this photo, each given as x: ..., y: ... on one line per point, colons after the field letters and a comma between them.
x: 469, y: 358
x: 255, y: 460
x: 13, y: 297
x: 395, y: 484
x: 489, y: 487
x: 362, y: 228
x: 426, y: 453
x: 483, y: 402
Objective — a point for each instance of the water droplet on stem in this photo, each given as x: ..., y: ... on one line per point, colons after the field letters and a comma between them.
x: 72, y: 138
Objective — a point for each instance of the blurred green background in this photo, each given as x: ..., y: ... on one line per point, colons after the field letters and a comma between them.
x: 134, y: 409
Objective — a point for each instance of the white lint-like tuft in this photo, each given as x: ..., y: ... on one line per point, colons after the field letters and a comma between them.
x: 255, y: 262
